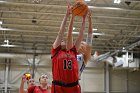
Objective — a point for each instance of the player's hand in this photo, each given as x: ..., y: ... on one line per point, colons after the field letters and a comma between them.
x: 23, y: 78
x: 89, y: 14
x: 69, y: 10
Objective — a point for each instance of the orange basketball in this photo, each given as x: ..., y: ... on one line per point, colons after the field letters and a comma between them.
x: 79, y: 8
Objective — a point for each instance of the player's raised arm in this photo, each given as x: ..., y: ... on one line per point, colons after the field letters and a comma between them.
x: 21, y: 89
x: 81, y: 33
x: 69, y: 34
x: 89, y: 39
x: 60, y: 35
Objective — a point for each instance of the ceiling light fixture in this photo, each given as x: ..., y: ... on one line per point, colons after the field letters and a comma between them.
x: 117, y: 1
x: 94, y: 29
x: 99, y: 34
x: 7, y: 44
x: 92, y: 33
x: 73, y: 28
x: 4, y: 28
x: 87, y: 0
x: 112, y: 8
x: 2, y: 1
x: 0, y: 22
x: 37, y: 1
x: 1, y: 28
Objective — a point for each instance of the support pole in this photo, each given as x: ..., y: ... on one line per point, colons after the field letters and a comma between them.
x: 6, y: 75
x: 107, y: 78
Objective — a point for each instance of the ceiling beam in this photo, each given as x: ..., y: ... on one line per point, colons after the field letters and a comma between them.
x: 58, y: 6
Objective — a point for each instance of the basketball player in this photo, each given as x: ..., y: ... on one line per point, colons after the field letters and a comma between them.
x: 64, y: 61
x: 42, y: 88
x: 30, y: 82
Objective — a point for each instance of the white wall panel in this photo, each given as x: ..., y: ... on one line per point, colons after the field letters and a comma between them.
x: 118, y: 80
x: 134, y: 82
x: 124, y: 80
x: 93, y: 80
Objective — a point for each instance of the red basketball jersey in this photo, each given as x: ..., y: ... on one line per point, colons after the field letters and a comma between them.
x: 37, y: 89
x: 64, y: 65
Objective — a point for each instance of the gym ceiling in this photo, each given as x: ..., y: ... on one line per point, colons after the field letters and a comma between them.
x: 31, y: 26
